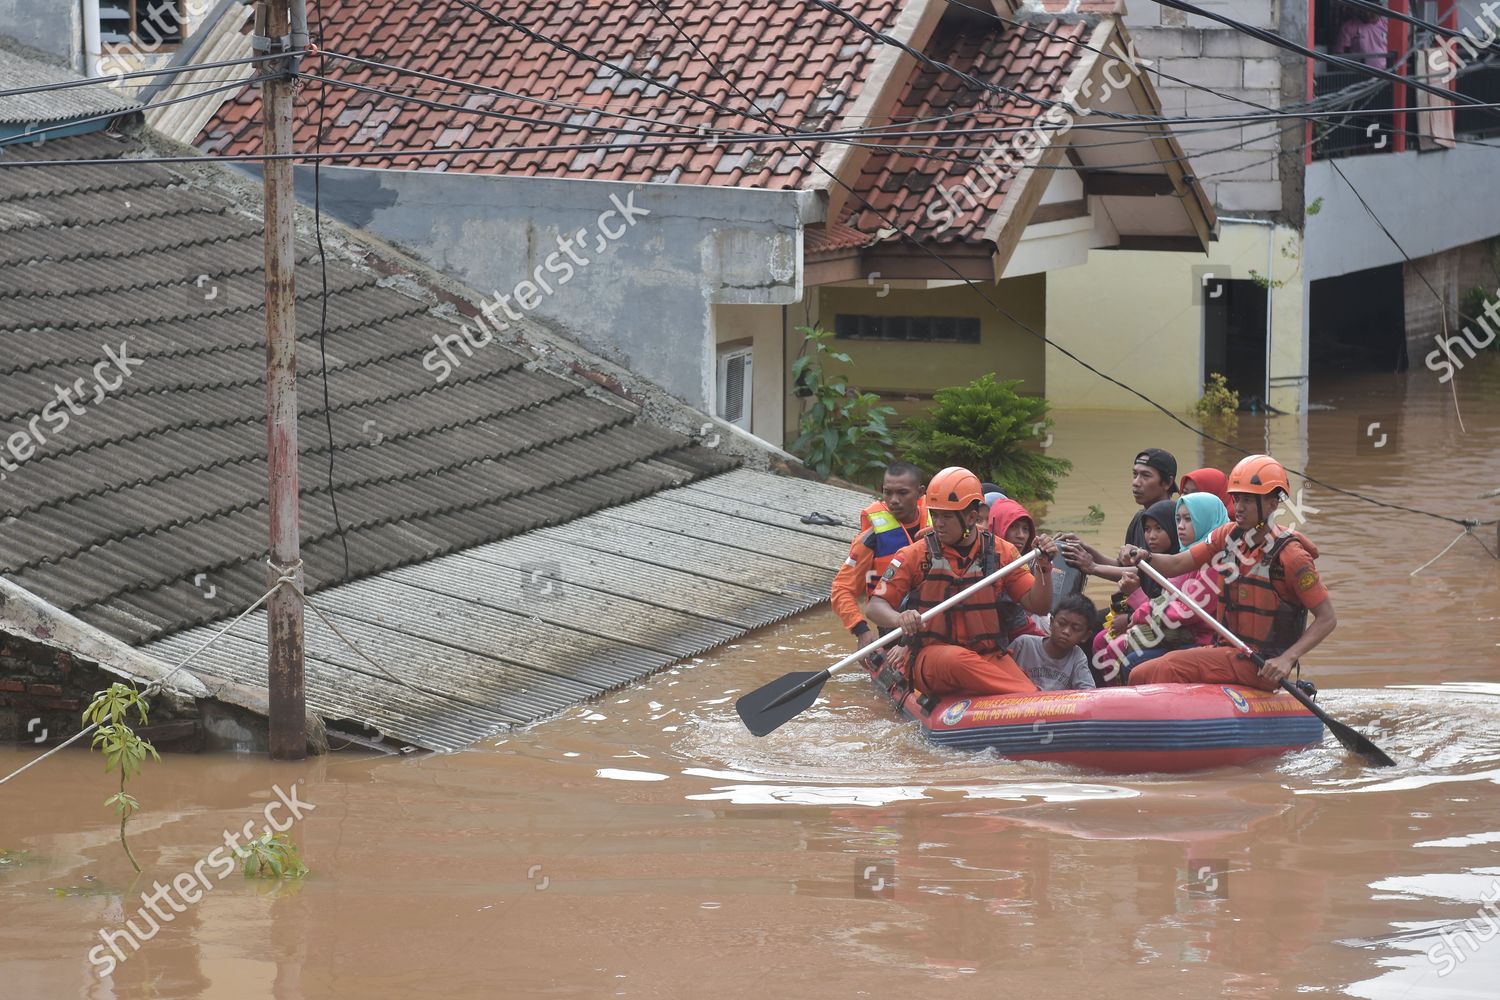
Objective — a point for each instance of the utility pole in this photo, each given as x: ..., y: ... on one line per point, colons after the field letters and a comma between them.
x: 288, y: 699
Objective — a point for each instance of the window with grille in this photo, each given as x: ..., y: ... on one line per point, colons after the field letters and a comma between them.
x: 143, y: 22
x: 923, y: 329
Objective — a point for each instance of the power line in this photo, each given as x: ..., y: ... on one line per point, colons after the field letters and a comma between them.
x: 974, y: 286
x: 1396, y: 15
x: 30, y: 137
x: 1352, y: 65
x: 115, y: 78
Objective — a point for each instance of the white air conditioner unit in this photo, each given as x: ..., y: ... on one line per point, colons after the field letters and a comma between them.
x: 734, y: 387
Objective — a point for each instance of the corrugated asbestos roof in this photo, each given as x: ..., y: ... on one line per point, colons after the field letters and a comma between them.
x: 517, y: 543
x: 21, y: 68
x: 469, y: 644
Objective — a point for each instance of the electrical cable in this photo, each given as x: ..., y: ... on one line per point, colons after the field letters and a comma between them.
x: 333, y: 498
x: 43, y: 88
x: 973, y: 286
x: 30, y: 137
x: 1396, y: 15
x: 1352, y: 65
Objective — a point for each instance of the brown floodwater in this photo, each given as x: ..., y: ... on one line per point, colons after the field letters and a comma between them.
x: 646, y: 846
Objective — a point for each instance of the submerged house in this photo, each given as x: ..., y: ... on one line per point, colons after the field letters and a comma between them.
x: 533, y: 531
x: 791, y: 164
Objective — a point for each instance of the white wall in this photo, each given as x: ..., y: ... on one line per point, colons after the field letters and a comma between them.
x: 1429, y: 201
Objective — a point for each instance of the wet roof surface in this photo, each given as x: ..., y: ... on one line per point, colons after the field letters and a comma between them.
x: 133, y: 510
x: 516, y: 545
x: 470, y: 644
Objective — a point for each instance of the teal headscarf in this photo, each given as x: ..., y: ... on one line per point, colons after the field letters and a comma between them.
x: 1207, y: 512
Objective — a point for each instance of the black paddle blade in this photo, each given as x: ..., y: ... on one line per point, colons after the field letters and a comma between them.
x: 1351, y: 739
x: 766, y: 708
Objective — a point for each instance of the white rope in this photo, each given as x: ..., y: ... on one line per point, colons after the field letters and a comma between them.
x: 350, y: 642
x: 287, y: 575
x: 157, y: 684
x: 1440, y: 555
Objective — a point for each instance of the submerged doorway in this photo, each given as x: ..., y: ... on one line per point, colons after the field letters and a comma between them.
x: 1234, y: 337
x: 1357, y: 322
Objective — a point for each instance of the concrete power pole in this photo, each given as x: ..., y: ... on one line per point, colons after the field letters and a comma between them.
x: 288, y: 699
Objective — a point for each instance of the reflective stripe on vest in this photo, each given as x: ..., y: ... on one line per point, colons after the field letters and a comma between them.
x: 1255, y: 612
x: 886, y: 537
x: 980, y: 624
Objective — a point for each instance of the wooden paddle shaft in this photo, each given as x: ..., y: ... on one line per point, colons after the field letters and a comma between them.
x: 892, y: 636
x: 1217, y: 625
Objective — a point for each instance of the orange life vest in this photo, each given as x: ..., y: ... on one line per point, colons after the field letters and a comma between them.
x: 1253, y: 610
x: 887, y: 536
x: 982, y: 624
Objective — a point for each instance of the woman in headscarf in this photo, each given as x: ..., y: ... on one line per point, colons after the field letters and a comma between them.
x: 1208, y: 481
x: 1133, y: 605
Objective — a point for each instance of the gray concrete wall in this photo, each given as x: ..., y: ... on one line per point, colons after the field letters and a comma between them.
x: 52, y: 26
x: 643, y: 300
x: 1239, y: 67
x: 1430, y: 201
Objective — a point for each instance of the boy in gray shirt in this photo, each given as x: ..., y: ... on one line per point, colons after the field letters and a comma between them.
x: 1057, y: 662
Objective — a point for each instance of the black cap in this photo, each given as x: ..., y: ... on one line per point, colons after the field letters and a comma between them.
x: 989, y: 488
x: 1162, y: 461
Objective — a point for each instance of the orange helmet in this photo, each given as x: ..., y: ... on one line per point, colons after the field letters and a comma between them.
x: 1261, y: 475
x: 955, y: 488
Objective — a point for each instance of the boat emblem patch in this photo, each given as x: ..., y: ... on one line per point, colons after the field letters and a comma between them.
x: 1240, y: 704
x: 955, y: 712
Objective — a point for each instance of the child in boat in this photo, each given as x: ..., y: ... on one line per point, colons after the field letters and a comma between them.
x: 1207, y: 481
x: 1170, y: 621
x: 1012, y: 522
x: 1271, y: 587
x: 1057, y: 662
x: 1126, y: 634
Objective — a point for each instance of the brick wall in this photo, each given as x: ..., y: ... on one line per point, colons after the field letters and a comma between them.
x: 43, y: 692
x: 1452, y: 273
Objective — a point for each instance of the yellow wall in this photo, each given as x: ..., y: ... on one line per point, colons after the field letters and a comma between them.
x: 897, y: 370
x: 1133, y: 315
x: 762, y: 327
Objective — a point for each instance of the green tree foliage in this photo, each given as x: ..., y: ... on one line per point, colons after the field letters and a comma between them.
x: 843, y: 431
x: 992, y: 430
x: 1219, y: 401
x: 273, y: 855
x: 121, y: 746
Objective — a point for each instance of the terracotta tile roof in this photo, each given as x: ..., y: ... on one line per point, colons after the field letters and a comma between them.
x: 832, y: 238
x: 908, y: 188
x: 802, y: 64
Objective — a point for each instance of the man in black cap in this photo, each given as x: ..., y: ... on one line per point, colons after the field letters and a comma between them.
x: 1153, y: 478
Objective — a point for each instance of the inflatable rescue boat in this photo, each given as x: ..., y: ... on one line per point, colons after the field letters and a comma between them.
x: 1126, y: 730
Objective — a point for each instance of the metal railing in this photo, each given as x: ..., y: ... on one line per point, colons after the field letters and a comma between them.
x: 1360, y: 129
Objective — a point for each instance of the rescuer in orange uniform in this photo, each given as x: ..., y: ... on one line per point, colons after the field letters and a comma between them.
x: 886, y: 526
x: 961, y: 651
x: 1270, y: 585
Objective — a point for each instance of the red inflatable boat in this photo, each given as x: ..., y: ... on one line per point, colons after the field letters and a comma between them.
x: 1128, y: 730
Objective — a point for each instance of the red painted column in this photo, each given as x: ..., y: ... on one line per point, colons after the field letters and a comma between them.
x: 1399, y: 38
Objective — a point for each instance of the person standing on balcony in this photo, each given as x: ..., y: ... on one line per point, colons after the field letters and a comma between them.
x: 1363, y: 34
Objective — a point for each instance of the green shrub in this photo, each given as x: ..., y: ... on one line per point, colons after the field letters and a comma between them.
x: 843, y: 432
x: 1218, y: 400
x: 990, y: 429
